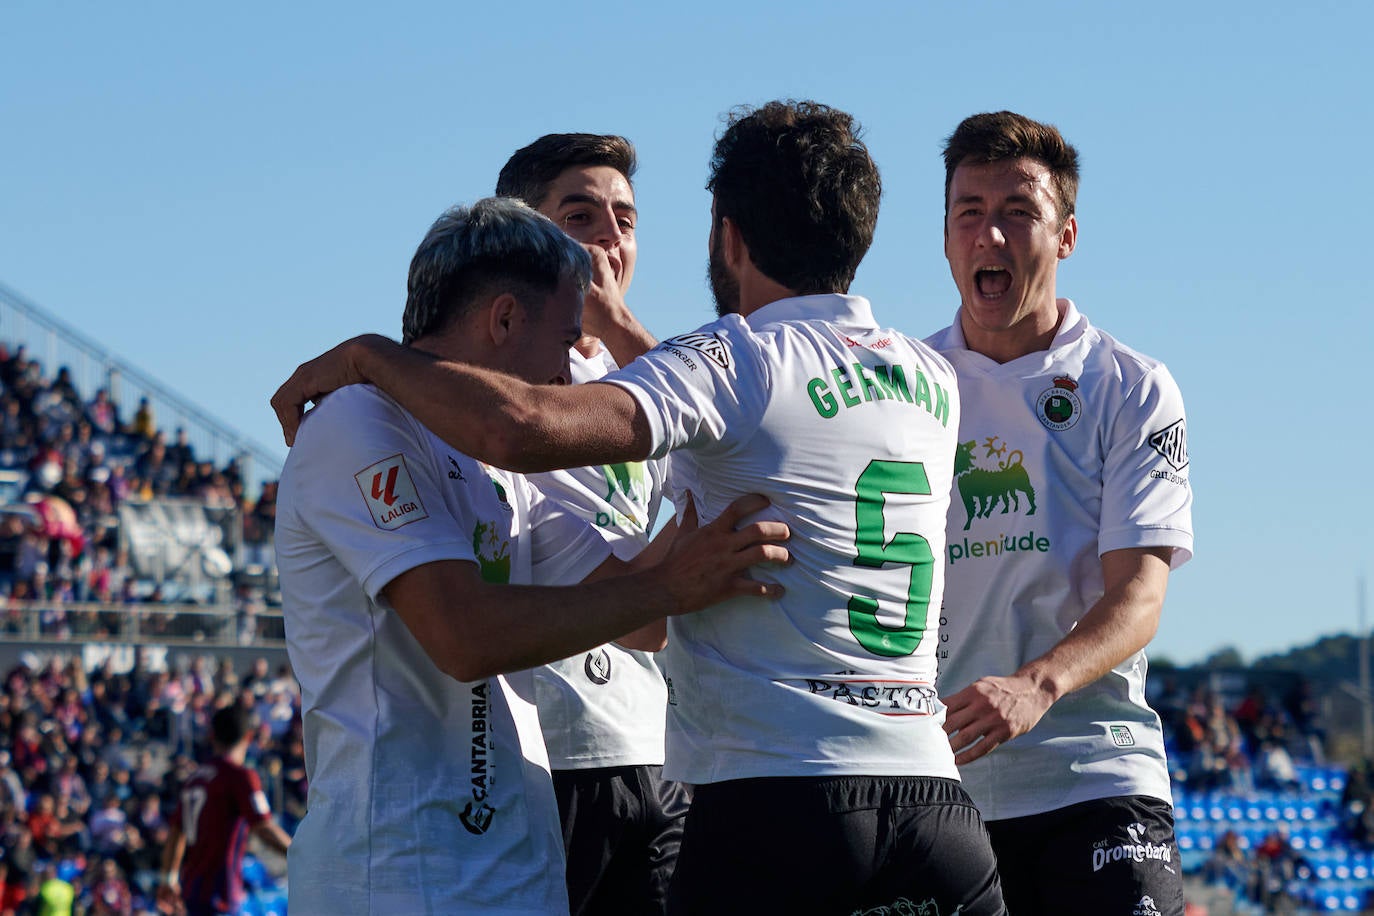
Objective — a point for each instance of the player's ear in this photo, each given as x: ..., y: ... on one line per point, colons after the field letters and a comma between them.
x: 1068, y: 237
x: 732, y: 244
x: 501, y: 317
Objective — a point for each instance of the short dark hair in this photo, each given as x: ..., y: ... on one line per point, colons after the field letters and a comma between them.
x: 995, y: 136
x: 230, y: 724
x: 471, y: 251
x: 528, y: 173
x: 802, y: 190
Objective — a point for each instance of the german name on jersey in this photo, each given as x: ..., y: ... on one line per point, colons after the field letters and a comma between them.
x: 849, y: 429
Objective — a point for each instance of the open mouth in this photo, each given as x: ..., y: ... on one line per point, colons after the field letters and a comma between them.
x: 992, y: 282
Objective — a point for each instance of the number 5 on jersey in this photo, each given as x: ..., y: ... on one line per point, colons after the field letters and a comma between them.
x: 874, y: 551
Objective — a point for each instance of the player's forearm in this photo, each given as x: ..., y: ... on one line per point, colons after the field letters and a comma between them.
x: 527, y: 626
x: 1118, y: 625
x: 503, y: 420
x: 270, y: 833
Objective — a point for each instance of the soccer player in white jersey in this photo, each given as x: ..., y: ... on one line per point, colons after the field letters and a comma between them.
x: 602, y: 711
x: 810, y: 729
x: 1071, y: 503
x: 406, y: 570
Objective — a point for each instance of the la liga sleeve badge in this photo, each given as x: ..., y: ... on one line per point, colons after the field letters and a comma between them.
x: 390, y: 493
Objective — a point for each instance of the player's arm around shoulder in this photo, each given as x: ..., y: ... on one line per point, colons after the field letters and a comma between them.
x: 489, y: 415
x: 492, y: 628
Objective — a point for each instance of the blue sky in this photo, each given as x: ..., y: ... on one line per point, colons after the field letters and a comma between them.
x: 217, y: 193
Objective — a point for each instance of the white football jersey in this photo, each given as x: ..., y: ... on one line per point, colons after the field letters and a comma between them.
x: 849, y: 430
x: 605, y: 707
x: 1064, y: 455
x: 427, y: 795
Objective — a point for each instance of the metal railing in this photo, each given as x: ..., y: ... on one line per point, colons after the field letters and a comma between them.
x: 55, y: 343
x: 180, y: 625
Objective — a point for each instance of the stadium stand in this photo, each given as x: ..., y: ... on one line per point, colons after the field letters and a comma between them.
x: 137, y: 595
x: 1263, y: 823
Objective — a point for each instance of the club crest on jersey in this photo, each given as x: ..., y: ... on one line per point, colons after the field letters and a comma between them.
x: 1058, y: 407
x: 1172, y: 444
x: 501, y: 495
x: 390, y: 493
x: 708, y: 345
x: 597, y: 667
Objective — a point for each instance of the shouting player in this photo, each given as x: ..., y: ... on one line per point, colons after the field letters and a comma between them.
x: 1071, y: 504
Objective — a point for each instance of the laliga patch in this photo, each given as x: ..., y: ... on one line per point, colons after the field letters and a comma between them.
x: 708, y: 345
x: 390, y: 493
x: 1172, y: 444
x: 1059, y: 407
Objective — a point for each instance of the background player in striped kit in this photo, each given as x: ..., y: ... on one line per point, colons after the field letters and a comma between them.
x: 602, y: 712
x: 1072, y: 503
x: 217, y: 809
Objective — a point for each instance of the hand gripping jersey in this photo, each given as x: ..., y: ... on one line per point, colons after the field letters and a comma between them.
x: 849, y: 430
x: 215, y: 810
x: 606, y: 707
x: 1064, y: 455
x: 427, y: 795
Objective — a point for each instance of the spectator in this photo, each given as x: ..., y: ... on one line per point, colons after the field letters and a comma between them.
x: 1276, y: 768
x: 102, y: 413
x: 110, y: 896
x: 107, y: 826
x: 56, y: 897
x: 144, y: 424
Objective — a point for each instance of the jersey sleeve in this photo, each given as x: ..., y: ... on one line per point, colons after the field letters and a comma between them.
x: 249, y: 798
x: 706, y: 390
x: 1147, y: 498
x: 564, y: 548
x: 368, y: 486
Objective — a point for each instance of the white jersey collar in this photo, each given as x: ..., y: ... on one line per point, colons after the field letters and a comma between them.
x: 846, y: 311
x: 1071, y: 328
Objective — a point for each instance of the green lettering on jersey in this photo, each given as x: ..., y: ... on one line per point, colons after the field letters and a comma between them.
x: 871, y: 391
x: 894, y: 384
x: 822, y: 398
x: 846, y: 387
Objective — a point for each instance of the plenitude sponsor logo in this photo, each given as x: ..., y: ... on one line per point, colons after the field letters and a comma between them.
x: 1002, y: 543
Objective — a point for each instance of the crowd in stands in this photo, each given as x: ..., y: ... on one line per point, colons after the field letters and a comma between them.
x: 91, y: 763
x: 66, y: 465
x: 1255, y: 748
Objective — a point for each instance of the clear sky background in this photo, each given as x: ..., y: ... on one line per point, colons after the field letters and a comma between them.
x: 216, y: 193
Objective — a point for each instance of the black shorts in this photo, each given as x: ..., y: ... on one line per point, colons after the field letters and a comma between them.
x: 621, y: 828
x: 1112, y: 855
x: 835, y: 846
